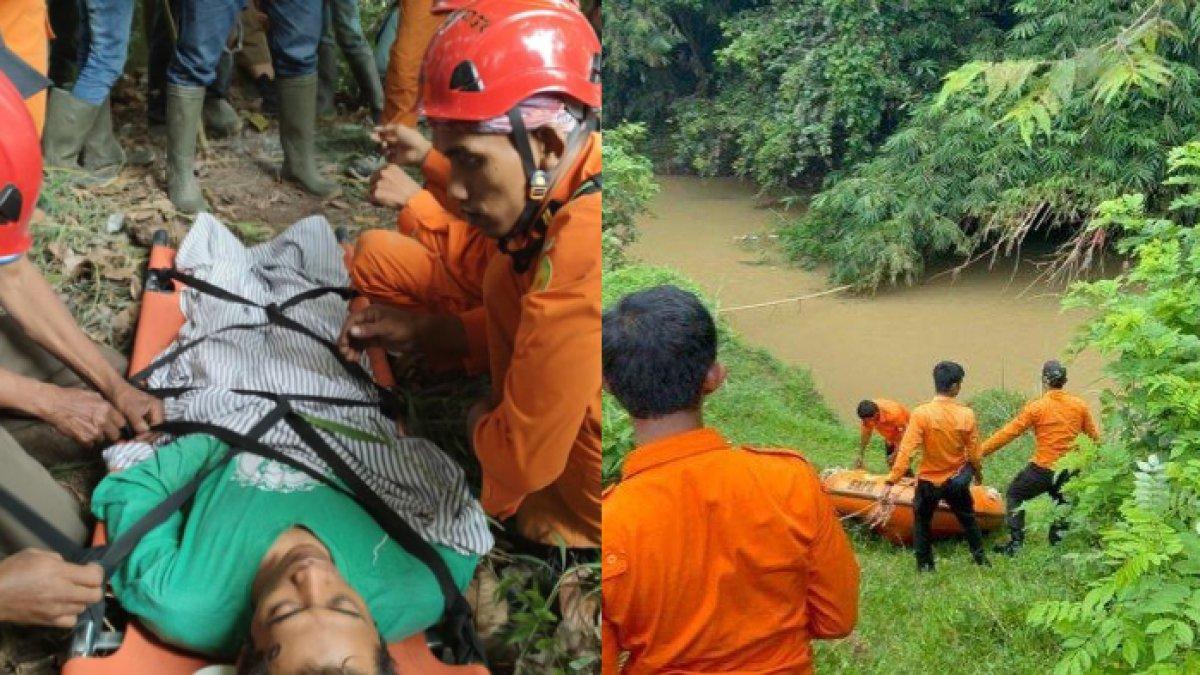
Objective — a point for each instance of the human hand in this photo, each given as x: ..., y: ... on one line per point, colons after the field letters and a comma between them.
x: 402, y: 144
x: 37, y: 587
x: 141, y: 410
x: 81, y: 415
x: 391, y: 187
x: 392, y: 328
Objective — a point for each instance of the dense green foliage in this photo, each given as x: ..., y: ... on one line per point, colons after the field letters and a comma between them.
x: 1138, y: 498
x: 962, y: 619
x: 805, y: 88
x: 968, y: 171
x: 629, y: 187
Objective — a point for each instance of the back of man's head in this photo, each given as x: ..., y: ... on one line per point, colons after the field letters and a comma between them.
x: 658, y: 346
x: 867, y: 409
x: 946, y: 376
x: 1054, y: 374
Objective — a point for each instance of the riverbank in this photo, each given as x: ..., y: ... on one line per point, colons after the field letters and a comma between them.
x: 1000, y: 323
x: 962, y: 619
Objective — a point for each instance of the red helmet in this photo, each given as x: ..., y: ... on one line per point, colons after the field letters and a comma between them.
x: 493, y: 54
x: 20, y: 170
x: 447, y: 6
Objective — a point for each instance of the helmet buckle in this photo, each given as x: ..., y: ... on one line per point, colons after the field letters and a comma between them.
x: 539, y: 185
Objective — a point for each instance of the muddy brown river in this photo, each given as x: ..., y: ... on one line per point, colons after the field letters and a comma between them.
x: 1000, y: 324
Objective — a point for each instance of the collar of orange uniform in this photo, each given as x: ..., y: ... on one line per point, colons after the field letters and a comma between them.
x: 1055, y: 393
x: 672, y: 448
x: 942, y: 398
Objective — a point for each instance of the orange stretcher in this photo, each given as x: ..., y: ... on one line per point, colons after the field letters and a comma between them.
x: 856, y: 494
x: 140, y: 653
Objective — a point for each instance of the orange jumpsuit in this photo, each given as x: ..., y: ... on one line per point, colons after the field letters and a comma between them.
x: 947, y: 431
x: 403, y: 80
x: 893, y: 417
x: 25, y: 26
x: 540, y: 446
x: 435, y: 262
x: 1057, y: 419
x: 718, y: 559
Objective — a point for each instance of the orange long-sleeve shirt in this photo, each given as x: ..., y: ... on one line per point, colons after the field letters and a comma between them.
x: 540, y: 447
x: 948, y: 435
x: 402, y: 84
x: 718, y: 559
x: 893, y: 418
x: 1057, y: 419
x: 26, y: 30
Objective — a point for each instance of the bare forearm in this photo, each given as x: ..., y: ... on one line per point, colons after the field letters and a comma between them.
x: 23, y: 395
x: 31, y: 301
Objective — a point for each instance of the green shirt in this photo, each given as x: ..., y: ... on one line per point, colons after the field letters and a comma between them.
x: 189, y: 579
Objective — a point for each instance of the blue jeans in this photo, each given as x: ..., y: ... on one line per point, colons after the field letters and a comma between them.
x: 103, y: 48
x: 204, y: 27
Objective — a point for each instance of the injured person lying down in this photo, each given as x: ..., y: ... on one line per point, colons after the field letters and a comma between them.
x: 275, y: 560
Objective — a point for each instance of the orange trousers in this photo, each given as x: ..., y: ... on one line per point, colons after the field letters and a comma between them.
x: 403, y: 81
x: 25, y: 26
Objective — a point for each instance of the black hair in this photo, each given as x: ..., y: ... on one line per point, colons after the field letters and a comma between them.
x: 947, y: 374
x: 254, y: 662
x: 867, y: 409
x: 1055, y: 374
x: 658, y: 345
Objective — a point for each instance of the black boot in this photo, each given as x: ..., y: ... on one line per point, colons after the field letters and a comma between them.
x: 1010, y: 548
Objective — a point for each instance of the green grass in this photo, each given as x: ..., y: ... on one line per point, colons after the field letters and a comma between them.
x: 962, y: 619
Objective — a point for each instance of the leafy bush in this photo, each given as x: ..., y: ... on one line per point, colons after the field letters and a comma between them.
x: 629, y: 187
x: 967, y: 171
x: 805, y: 88
x: 1138, y: 496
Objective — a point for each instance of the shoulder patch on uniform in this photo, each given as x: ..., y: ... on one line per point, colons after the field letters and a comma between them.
x: 613, y: 564
x: 785, y: 452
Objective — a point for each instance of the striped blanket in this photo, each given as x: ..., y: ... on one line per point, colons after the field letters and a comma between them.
x: 412, y: 475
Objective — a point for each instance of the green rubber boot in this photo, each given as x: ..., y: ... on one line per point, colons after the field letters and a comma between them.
x: 220, y: 119
x: 102, y: 153
x: 184, y: 106
x: 68, y: 121
x: 297, y: 134
x: 362, y: 66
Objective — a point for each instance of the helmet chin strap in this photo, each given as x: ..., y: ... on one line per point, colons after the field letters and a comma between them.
x: 530, y: 228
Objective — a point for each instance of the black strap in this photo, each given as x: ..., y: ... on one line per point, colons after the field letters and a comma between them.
x: 390, y: 403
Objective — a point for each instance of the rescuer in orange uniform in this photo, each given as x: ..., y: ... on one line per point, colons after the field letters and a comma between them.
x: 1057, y: 419
x: 886, y: 417
x: 715, y: 558
x: 949, y: 437
x: 516, y: 117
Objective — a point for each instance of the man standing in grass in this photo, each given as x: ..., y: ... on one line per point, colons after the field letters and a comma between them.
x: 886, y: 417
x: 1057, y: 419
x: 949, y: 437
x: 715, y: 558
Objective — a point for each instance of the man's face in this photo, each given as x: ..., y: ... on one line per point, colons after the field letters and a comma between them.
x: 307, y: 615
x: 487, y: 180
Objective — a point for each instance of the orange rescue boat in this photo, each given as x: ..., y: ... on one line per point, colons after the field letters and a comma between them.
x: 855, y: 494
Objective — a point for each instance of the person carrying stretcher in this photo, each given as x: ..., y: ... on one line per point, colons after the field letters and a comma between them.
x: 60, y: 394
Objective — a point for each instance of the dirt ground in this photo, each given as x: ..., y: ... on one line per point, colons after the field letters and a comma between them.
x: 92, y: 245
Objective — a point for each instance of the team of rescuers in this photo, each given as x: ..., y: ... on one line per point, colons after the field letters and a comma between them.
x: 700, y: 534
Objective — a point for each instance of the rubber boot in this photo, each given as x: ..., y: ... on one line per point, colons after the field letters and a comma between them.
x: 362, y: 66
x: 220, y: 119
x: 184, y: 106
x: 327, y: 76
x: 102, y: 153
x: 1010, y: 549
x: 297, y: 134
x: 68, y: 121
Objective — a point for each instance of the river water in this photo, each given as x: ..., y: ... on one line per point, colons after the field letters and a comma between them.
x: 1001, y: 324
